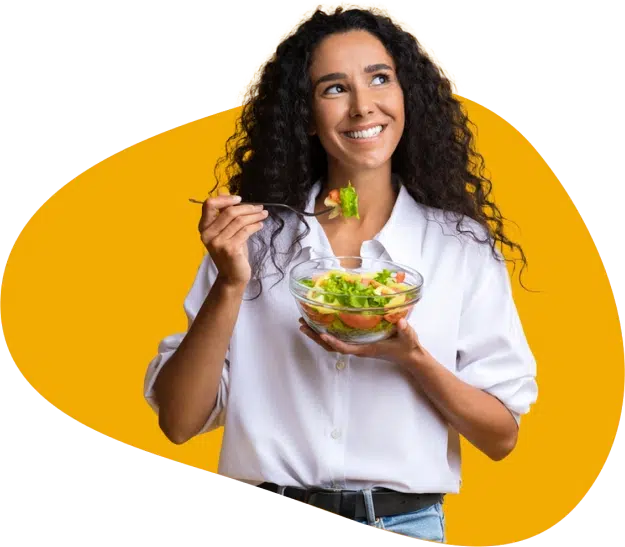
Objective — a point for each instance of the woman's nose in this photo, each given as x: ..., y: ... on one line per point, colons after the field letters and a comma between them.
x: 362, y: 103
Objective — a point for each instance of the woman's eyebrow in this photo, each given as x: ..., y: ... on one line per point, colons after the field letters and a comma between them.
x: 343, y: 76
x: 379, y: 66
x: 330, y: 77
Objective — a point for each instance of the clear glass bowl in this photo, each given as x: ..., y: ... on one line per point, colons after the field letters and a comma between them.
x: 355, y: 319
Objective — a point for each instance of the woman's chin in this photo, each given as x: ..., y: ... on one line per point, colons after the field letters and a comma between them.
x: 368, y: 164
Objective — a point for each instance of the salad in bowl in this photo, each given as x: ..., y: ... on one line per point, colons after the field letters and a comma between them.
x: 357, y: 300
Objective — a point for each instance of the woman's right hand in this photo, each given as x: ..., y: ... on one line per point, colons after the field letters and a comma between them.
x: 224, y: 229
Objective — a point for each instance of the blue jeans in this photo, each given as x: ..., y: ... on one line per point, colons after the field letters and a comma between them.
x: 427, y: 523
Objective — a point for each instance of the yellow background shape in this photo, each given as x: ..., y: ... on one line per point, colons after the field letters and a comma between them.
x: 99, y: 274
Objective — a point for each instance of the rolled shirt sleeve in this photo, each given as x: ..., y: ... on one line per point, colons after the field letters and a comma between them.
x: 204, y: 279
x: 493, y: 353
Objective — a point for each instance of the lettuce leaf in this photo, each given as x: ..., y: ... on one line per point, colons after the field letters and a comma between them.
x: 349, y: 201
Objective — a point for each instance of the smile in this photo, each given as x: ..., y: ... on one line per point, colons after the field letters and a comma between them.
x: 370, y: 133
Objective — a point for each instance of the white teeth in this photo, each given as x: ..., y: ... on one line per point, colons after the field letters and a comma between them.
x: 367, y: 134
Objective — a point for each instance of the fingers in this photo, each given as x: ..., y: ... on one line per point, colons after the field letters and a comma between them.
x: 229, y: 214
x: 314, y: 336
x: 331, y: 344
x: 364, y: 350
x: 240, y: 222
x: 211, y: 208
x: 244, y: 234
x: 407, y: 333
x: 231, y: 221
x: 397, y: 349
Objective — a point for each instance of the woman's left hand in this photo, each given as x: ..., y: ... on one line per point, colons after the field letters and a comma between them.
x: 402, y: 348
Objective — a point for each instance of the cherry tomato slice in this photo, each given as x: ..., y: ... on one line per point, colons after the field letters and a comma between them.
x: 400, y: 277
x: 358, y: 321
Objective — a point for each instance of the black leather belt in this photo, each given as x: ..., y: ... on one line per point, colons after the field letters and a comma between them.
x: 351, y: 503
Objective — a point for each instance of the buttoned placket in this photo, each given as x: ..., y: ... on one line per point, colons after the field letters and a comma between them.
x: 340, y: 363
x: 370, y: 249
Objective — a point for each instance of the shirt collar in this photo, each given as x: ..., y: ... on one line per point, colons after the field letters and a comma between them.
x: 401, y: 237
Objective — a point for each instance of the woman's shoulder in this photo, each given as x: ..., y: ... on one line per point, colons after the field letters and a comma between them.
x: 454, y: 229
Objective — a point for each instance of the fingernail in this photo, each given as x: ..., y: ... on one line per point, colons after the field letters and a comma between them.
x: 236, y: 199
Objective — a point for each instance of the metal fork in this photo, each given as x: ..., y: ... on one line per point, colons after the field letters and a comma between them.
x: 297, y: 211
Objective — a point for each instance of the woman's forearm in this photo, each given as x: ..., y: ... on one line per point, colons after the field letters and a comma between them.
x: 478, y: 416
x: 187, y: 386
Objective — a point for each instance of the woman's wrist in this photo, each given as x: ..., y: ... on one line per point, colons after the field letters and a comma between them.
x: 420, y: 362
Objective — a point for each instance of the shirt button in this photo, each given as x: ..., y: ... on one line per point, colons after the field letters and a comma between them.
x: 340, y: 364
x: 335, y: 434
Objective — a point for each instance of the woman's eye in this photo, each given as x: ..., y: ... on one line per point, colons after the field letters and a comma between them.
x: 334, y: 89
x: 380, y: 79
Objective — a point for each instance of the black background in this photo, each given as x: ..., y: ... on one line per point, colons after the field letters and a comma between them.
x: 105, y: 74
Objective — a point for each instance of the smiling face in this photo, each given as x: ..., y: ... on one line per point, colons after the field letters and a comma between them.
x: 358, y: 103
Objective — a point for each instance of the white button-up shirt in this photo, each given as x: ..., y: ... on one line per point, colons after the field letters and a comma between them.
x: 295, y: 414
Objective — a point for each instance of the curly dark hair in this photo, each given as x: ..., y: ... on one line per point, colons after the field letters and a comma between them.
x: 272, y: 158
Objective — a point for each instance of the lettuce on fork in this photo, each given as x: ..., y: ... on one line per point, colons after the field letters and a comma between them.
x: 344, y: 201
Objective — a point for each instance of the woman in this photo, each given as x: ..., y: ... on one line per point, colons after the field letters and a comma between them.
x: 370, y: 432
